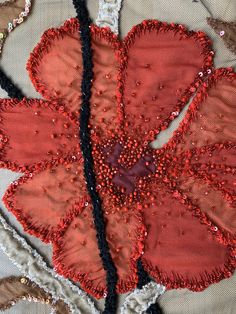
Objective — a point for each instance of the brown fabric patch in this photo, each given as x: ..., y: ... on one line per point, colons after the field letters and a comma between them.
x: 14, y: 289
x: 226, y: 30
x: 9, y: 12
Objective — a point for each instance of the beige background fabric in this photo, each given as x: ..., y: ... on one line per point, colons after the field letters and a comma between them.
x: 192, y: 14
x: 217, y: 299
x: 25, y: 307
x: 7, y: 268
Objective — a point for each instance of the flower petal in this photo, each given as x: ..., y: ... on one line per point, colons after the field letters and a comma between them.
x: 159, y: 82
x: 206, y: 140
x: 55, y: 68
x: 76, y: 255
x: 105, y: 118
x: 180, y: 252
x: 217, y: 163
x: 55, y: 65
x: 34, y: 131
x: 43, y: 200
x: 210, y: 118
x: 210, y: 201
x: 211, y: 183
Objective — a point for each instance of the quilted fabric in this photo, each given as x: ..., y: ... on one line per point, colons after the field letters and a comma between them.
x: 220, y: 305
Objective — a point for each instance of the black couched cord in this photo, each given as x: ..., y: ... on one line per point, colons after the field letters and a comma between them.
x: 6, y: 84
x: 86, y: 148
x: 144, y: 279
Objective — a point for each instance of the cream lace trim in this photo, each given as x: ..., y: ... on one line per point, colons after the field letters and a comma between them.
x: 140, y: 300
x: 108, y: 14
x: 32, y: 265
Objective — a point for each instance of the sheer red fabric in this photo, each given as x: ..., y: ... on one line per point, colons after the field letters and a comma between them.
x: 77, y: 256
x: 45, y: 199
x: 180, y: 251
x: 159, y: 75
x: 35, y: 131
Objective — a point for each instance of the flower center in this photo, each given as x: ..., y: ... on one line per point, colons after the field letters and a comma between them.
x: 126, y: 177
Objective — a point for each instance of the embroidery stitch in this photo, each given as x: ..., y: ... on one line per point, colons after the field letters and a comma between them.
x: 218, y: 238
x: 12, y: 90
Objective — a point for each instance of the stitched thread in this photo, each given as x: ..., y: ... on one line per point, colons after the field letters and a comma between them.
x: 12, y: 90
x: 144, y: 279
x: 86, y: 148
x: 154, y: 309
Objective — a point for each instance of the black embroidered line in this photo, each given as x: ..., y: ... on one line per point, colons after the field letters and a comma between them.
x: 144, y: 279
x: 12, y: 90
x: 154, y: 309
x: 86, y: 148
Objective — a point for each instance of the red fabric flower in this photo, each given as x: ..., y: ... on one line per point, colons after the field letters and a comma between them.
x: 174, y: 207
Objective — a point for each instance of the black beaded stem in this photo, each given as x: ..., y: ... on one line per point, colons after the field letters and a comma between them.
x: 144, y: 279
x: 86, y: 148
x: 12, y: 90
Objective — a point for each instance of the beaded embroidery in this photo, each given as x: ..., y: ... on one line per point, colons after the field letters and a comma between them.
x: 156, y: 202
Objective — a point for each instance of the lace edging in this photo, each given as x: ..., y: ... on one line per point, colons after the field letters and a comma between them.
x: 32, y: 265
x: 12, y: 24
x: 108, y: 14
x: 141, y: 299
